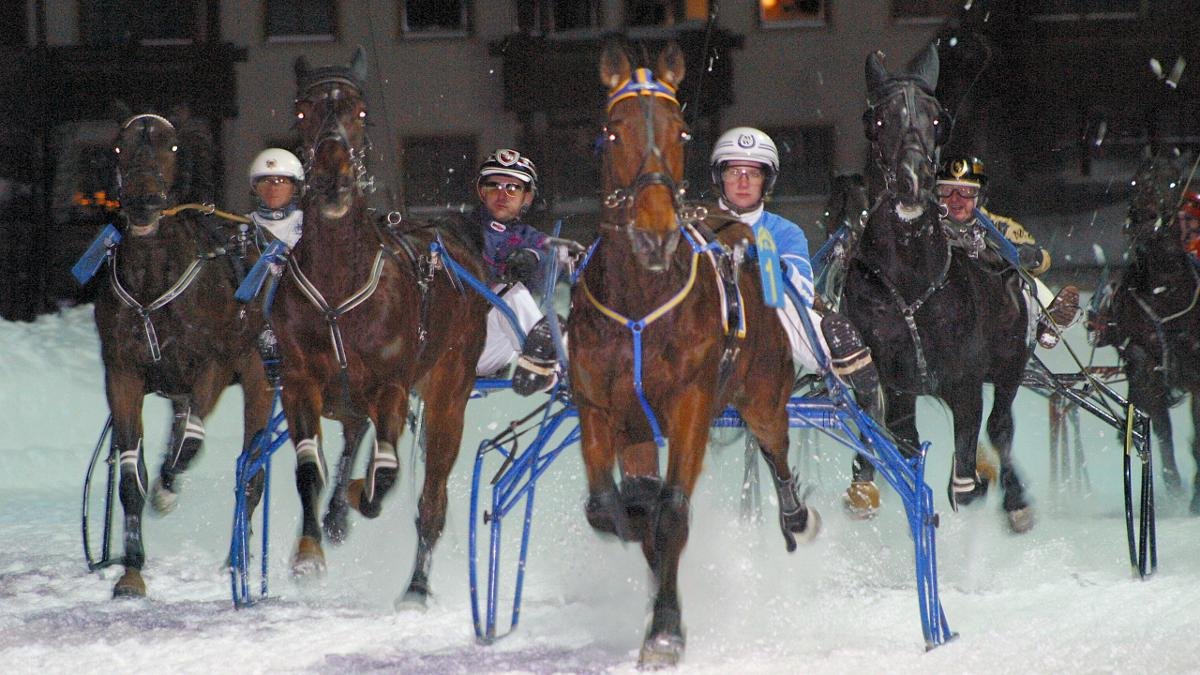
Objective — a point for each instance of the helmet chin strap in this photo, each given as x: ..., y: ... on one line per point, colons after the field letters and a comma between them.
x: 268, y: 213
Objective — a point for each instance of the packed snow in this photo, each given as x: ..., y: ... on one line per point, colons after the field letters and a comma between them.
x: 1060, y: 599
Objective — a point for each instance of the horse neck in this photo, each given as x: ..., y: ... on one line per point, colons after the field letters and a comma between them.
x: 148, y: 265
x: 330, y: 245
x: 911, y: 254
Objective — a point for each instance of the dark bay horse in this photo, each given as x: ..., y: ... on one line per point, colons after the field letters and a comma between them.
x: 937, y: 322
x: 169, y: 324
x: 364, y: 315
x: 1154, y: 320
x: 647, y: 319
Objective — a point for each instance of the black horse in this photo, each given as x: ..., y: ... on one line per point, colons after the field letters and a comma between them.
x: 937, y: 322
x: 1153, y: 321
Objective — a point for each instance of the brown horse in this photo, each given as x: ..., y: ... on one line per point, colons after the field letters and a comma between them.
x: 365, y: 315
x: 169, y: 324
x: 687, y: 365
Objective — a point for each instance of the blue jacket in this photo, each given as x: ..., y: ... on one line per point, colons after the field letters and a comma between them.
x: 793, y: 251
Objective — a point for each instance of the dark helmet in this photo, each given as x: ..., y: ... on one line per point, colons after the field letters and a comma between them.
x: 1190, y: 203
x: 507, y: 162
x: 963, y: 171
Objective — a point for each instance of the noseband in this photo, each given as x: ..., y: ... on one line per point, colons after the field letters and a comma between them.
x: 645, y: 88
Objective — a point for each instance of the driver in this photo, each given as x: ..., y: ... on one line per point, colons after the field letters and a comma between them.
x: 1188, y: 218
x: 960, y: 189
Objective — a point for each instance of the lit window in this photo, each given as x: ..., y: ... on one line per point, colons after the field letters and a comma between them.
x: 664, y: 12
x: 788, y: 11
x: 301, y: 20
x: 435, y: 17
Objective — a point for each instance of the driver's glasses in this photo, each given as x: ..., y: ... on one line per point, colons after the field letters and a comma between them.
x: 510, y: 189
x: 964, y: 191
x: 735, y: 173
x: 274, y: 180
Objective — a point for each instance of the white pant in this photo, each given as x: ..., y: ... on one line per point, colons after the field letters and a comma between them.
x: 502, y: 344
x: 802, y: 349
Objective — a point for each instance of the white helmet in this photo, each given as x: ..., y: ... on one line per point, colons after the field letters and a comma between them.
x: 505, y: 162
x: 745, y: 144
x: 276, y: 162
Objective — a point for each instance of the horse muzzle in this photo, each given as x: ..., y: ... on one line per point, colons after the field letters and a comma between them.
x: 653, y: 250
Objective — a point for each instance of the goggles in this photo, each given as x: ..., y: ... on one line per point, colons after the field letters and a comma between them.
x: 510, y: 189
x: 735, y: 173
x: 945, y: 190
x: 273, y: 180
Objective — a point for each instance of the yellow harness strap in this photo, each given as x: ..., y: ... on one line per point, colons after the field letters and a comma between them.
x: 206, y: 209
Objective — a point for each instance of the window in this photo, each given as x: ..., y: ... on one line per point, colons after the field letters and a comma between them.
x: 438, y: 170
x: 924, y: 9
x: 435, y: 17
x: 13, y: 24
x: 301, y: 20
x: 790, y: 12
x: 114, y: 22
x: 664, y: 12
x: 537, y: 17
x: 805, y: 159
x: 1066, y: 10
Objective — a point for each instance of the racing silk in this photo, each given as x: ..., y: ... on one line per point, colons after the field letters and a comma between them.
x: 1193, y: 249
x: 501, y: 239
x: 789, y: 241
x: 1020, y: 237
x: 286, y: 225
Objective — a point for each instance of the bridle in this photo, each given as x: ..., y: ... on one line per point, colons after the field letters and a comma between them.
x: 643, y: 86
x: 332, y: 128
x: 138, y: 160
x: 908, y: 89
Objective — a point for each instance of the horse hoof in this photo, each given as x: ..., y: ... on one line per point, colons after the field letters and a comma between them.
x: 1021, y: 520
x: 987, y: 467
x: 335, y: 524
x: 412, y: 602
x: 130, y: 585
x: 661, y: 651
x: 601, y: 510
x: 162, y: 500
x: 861, y: 500
x: 812, y: 527
x: 309, y: 559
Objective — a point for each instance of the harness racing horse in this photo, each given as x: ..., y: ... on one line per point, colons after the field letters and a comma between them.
x: 628, y: 374
x: 365, y: 315
x: 169, y: 324
x: 937, y: 322
x: 1154, y: 318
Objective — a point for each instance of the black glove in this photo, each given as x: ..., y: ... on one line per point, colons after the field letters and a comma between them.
x: 521, y: 265
x: 1030, y: 257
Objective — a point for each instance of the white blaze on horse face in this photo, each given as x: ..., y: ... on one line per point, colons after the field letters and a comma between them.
x: 909, y: 213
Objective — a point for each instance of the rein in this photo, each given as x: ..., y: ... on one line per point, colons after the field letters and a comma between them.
x: 1160, y: 322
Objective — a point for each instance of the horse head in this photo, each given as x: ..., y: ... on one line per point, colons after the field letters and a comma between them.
x: 643, y: 139
x: 331, y: 116
x: 1155, y: 190
x: 906, y: 127
x: 146, y: 149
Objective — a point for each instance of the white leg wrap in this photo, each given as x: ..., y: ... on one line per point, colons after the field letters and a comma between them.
x: 130, y: 460
x: 383, y: 457
x: 308, y: 451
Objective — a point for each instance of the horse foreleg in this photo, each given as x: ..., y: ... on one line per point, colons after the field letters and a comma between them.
x: 383, y: 468
x: 664, y: 642
x: 966, y: 405
x: 640, y: 487
x: 1001, y: 429
x: 125, y: 401
x: 598, y: 442
x: 445, y: 409
x: 337, y: 521
x: 1148, y: 391
x: 187, y: 435
x: 302, y: 401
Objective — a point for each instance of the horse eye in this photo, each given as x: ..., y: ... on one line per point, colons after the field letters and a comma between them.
x: 174, y: 148
x: 685, y: 136
x: 612, y: 138
x: 362, y: 113
x: 299, y: 115
x: 879, y: 122
x: 117, y: 149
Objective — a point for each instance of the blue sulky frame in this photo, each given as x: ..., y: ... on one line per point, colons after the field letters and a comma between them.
x: 837, y: 415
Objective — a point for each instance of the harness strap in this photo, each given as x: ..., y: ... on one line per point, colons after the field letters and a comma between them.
x: 332, y: 314
x: 909, y: 311
x: 181, y: 284
x: 1159, y: 322
x: 208, y: 210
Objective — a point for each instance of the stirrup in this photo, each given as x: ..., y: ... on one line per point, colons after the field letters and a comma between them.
x: 537, y: 367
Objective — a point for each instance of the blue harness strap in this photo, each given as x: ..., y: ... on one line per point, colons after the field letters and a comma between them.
x: 1003, y: 246
x: 253, y: 283
x: 459, y: 272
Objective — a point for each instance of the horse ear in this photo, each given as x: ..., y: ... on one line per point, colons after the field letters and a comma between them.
x: 358, y: 65
x: 301, y: 68
x: 925, y: 66
x: 670, y: 66
x: 876, y: 73
x: 614, y: 65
